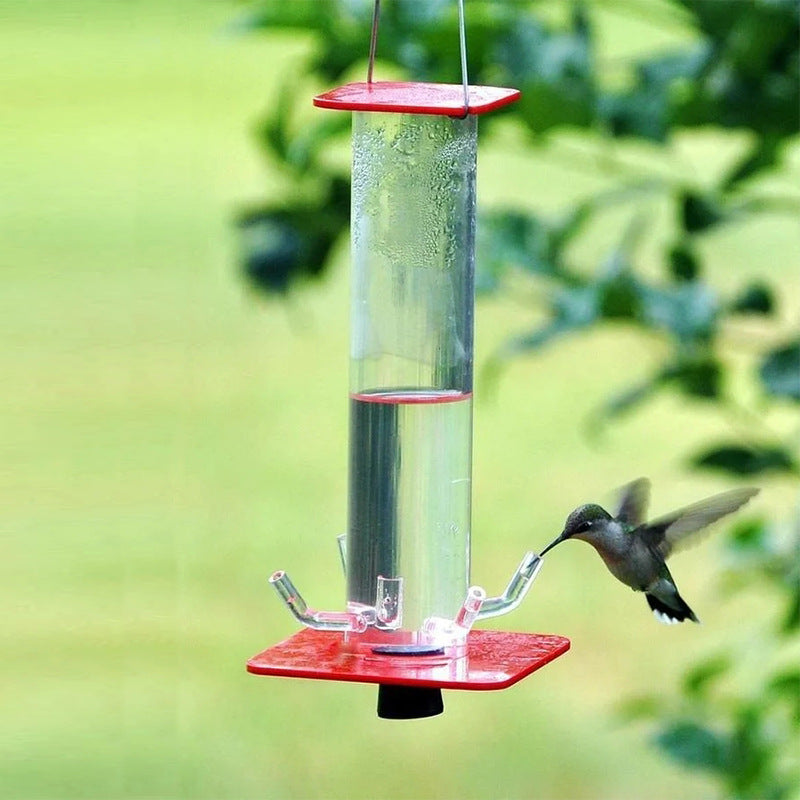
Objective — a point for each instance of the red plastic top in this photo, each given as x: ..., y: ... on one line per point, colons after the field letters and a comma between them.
x: 444, y: 99
x: 494, y: 660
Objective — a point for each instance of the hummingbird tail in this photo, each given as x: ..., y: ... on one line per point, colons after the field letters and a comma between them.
x: 676, y: 611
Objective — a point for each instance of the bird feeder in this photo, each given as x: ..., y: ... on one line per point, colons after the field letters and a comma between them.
x: 410, y: 607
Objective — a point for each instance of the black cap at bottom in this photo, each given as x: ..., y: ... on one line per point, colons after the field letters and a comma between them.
x: 408, y: 702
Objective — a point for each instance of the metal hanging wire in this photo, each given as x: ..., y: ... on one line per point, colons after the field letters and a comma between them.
x: 462, y: 36
x: 373, y: 42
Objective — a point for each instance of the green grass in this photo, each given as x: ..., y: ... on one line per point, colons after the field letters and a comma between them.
x: 169, y: 439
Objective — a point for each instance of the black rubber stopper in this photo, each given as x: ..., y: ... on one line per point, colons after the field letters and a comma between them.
x: 407, y: 650
x: 408, y: 702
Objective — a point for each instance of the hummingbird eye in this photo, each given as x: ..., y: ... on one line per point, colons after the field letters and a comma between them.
x: 584, y: 526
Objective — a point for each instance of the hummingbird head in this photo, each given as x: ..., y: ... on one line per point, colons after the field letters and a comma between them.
x: 585, y: 522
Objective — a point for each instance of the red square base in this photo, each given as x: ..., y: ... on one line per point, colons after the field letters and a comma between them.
x: 494, y: 660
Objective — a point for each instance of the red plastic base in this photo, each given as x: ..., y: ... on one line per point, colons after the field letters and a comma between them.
x: 444, y: 99
x: 494, y: 660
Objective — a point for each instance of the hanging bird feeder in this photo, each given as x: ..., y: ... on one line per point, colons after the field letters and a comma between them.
x: 410, y: 607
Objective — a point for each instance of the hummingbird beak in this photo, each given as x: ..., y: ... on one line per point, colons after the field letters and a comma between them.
x: 553, y: 544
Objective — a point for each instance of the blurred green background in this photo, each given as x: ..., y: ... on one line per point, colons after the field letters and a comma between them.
x: 170, y: 438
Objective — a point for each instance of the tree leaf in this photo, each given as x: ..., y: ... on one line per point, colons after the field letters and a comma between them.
x: 305, y: 147
x: 749, y: 536
x: 699, y: 213
x: 279, y: 245
x: 757, y: 298
x: 689, y: 311
x: 695, y: 746
x: 763, y: 155
x: 699, y: 679
x: 300, y: 14
x: 642, y: 113
x: 698, y: 376
x: 272, y: 251
x: 753, y: 73
x: 626, y: 401
x: 683, y: 262
x: 576, y: 307
x: 780, y: 371
x: 786, y: 685
x: 519, y: 345
x: 791, y: 620
x: 533, y: 340
x: 736, y: 459
x: 512, y: 239
x: 618, y: 291
x: 554, y: 69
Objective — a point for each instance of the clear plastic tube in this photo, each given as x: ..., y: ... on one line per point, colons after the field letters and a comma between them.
x: 389, y: 602
x: 471, y: 608
x: 516, y: 590
x: 313, y: 618
x: 454, y: 631
x: 412, y: 308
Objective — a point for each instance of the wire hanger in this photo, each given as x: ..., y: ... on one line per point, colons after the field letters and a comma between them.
x: 462, y: 33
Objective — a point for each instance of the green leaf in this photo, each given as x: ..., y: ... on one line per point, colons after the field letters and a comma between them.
x: 752, y: 80
x: 678, y: 66
x: 626, y: 400
x: 279, y: 245
x: 642, y: 113
x: 303, y: 14
x: 699, y: 213
x: 274, y: 130
x: 699, y: 679
x: 519, y: 345
x: 695, y: 746
x: 618, y: 291
x: 272, y: 251
x: 780, y: 371
x: 513, y: 239
x: 304, y: 149
x: 689, y: 311
x: 699, y: 377
x: 791, y: 620
x: 763, y: 155
x: 300, y: 150
x: 786, y: 685
x: 757, y: 298
x: 683, y: 262
x: 554, y: 69
x: 749, y: 536
x: 567, y: 227
x: 743, y: 460
x: 533, y: 340
x: 648, y: 108
x: 577, y: 307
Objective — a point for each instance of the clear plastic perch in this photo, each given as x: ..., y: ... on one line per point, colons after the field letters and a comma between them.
x: 312, y: 618
x: 521, y: 581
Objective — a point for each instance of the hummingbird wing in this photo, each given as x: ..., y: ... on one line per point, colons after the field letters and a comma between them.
x: 633, y: 501
x: 675, y: 531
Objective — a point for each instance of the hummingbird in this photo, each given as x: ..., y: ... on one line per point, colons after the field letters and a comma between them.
x: 635, y: 551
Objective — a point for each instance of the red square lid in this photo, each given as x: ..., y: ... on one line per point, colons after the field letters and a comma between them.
x: 444, y: 99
